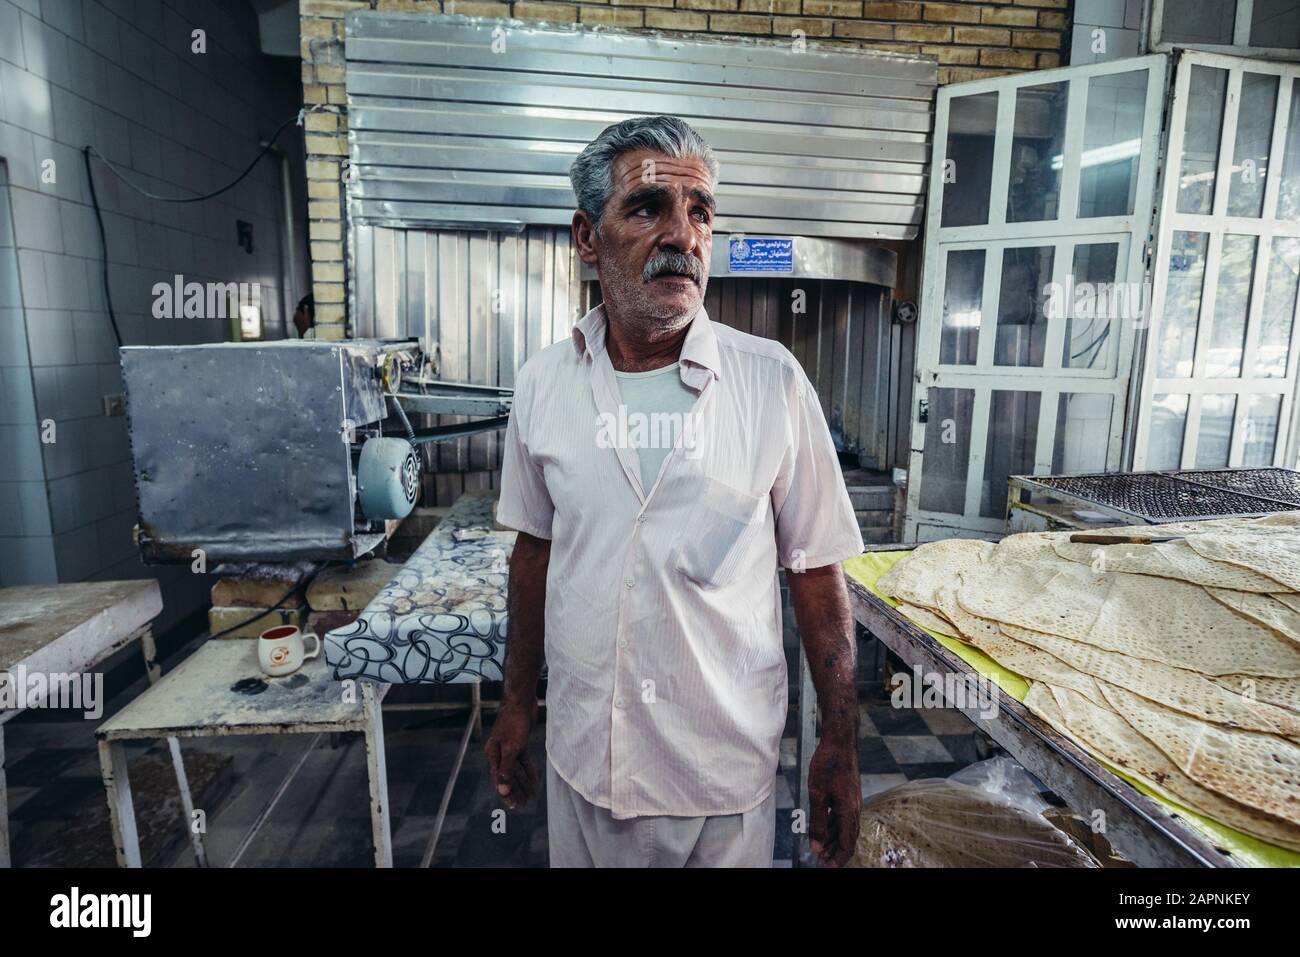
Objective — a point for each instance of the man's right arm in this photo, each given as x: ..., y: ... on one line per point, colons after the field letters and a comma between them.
x: 513, y: 772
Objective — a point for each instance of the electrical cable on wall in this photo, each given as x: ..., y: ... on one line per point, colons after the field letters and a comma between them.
x: 86, y: 152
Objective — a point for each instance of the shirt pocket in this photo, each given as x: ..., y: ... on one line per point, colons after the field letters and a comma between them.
x: 719, y: 533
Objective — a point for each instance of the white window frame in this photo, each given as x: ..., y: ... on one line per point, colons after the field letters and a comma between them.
x: 1049, y: 380
x: 1240, y: 45
x: 1217, y: 225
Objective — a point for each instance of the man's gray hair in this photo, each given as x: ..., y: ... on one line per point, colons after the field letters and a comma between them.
x: 591, y: 173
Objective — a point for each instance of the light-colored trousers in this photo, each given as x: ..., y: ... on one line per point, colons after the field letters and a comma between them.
x: 581, y: 834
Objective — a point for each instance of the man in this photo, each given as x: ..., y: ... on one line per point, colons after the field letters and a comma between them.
x: 304, y: 317
x: 646, y: 565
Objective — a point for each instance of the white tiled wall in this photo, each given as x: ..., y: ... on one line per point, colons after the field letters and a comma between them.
x: 1119, y: 23
x: 119, y: 75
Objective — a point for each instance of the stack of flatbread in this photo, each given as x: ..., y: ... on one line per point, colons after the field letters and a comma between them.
x: 1177, y: 661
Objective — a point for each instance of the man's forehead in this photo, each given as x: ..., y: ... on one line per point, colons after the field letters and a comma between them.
x: 630, y: 169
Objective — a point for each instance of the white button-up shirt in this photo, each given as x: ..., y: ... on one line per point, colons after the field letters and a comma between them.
x: 667, y: 678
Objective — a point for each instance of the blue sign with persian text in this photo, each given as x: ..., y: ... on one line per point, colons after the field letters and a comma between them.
x: 761, y: 254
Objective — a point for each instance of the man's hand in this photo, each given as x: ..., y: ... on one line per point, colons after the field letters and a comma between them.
x: 835, y: 796
x: 512, y: 769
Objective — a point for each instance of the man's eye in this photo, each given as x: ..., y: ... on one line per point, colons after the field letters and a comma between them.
x: 703, y: 215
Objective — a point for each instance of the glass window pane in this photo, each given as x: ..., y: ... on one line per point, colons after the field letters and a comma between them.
x: 1208, y: 90
x: 968, y: 170
x: 947, y: 450
x: 1082, y: 432
x: 1250, y: 154
x: 1013, y: 435
x: 1215, y: 437
x: 1275, y: 23
x: 1278, y: 318
x: 1204, y: 21
x: 1288, y: 192
x: 1094, y: 302
x: 1022, y: 322
x: 1182, y: 304
x: 1231, y: 304
x: 1168, y: 420
x: 963, y: 299
x: 1033, y: 191
x: 1262, y: 415
x: 1112, y: 140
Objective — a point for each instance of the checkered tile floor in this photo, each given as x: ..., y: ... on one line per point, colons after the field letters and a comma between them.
x: 323, y: 819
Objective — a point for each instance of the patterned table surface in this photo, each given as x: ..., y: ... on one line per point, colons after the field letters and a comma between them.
x: 443, y: 618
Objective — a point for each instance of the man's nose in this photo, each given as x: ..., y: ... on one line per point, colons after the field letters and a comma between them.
x: 678, y: 235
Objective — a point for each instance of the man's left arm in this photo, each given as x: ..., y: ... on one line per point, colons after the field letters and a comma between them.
x: 821, y: 608
x: 816, y: 529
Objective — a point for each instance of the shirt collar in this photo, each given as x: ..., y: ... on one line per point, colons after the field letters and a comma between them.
x: 700, y: 350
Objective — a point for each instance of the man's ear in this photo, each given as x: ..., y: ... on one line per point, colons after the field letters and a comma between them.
x: 584, y: 236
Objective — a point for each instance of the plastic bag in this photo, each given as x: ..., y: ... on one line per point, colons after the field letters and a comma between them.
x: 1004, y: 777
x: 936, y: 822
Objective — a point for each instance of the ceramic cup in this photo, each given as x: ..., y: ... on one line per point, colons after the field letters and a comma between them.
x: 280, y: 650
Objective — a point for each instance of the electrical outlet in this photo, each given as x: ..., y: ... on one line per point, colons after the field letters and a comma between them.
x: 114, y: 405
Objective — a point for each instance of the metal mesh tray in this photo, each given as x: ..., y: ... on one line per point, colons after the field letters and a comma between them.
x: 1169, y: 496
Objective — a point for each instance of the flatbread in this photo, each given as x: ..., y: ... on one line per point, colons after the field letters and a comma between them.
x: 1177, y: 624
x: 1265, y: 610
x: 1185, y: 691
x: 1025, y: 547
x: 928, y: 619
x: 913, y: 579
x: 1109, y: 736
x: 1259, y: 770
x: 1276, y: 556
x: 1282, y: 692
x: 1176, y: 560
x: 1025, y: 660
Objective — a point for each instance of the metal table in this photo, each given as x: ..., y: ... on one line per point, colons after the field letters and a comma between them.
x: 221, y: 690
x: 1138, y: 826
x: 70, y: 629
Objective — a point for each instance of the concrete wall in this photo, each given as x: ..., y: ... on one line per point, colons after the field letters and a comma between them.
x: 124, y: 77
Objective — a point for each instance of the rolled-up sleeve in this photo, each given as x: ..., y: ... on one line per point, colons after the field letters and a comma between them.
x: 525, y: 502
x: 815, y: 524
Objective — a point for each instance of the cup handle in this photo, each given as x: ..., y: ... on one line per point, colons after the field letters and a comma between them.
x: 315, y: 651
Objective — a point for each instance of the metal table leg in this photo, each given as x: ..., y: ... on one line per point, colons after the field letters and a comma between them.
x: 4, y: 805
x: 475, y: 722
x: 807, y: 744
x: 377, y: 770
x: 126, y: 840
x: 154, y: 671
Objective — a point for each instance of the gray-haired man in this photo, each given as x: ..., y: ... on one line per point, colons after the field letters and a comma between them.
x: 646, y: 563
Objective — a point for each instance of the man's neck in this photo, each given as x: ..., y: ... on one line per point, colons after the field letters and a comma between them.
x: 631, y: 350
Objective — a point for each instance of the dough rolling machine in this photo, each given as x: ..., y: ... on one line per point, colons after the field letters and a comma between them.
x: 285, y: 451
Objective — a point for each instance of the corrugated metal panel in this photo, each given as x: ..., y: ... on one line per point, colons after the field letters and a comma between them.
x: 485, y: 300
x: 460, y: 121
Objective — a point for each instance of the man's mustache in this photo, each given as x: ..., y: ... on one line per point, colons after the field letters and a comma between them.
x: 673, y: 264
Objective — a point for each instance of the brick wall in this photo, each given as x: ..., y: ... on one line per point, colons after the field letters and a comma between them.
x: 970, y: 40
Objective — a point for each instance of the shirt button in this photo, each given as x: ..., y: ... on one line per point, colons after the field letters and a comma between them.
x: 618, y: 702
x: 640, y: 519
x: 622, y: 642
x: 629, y: 583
